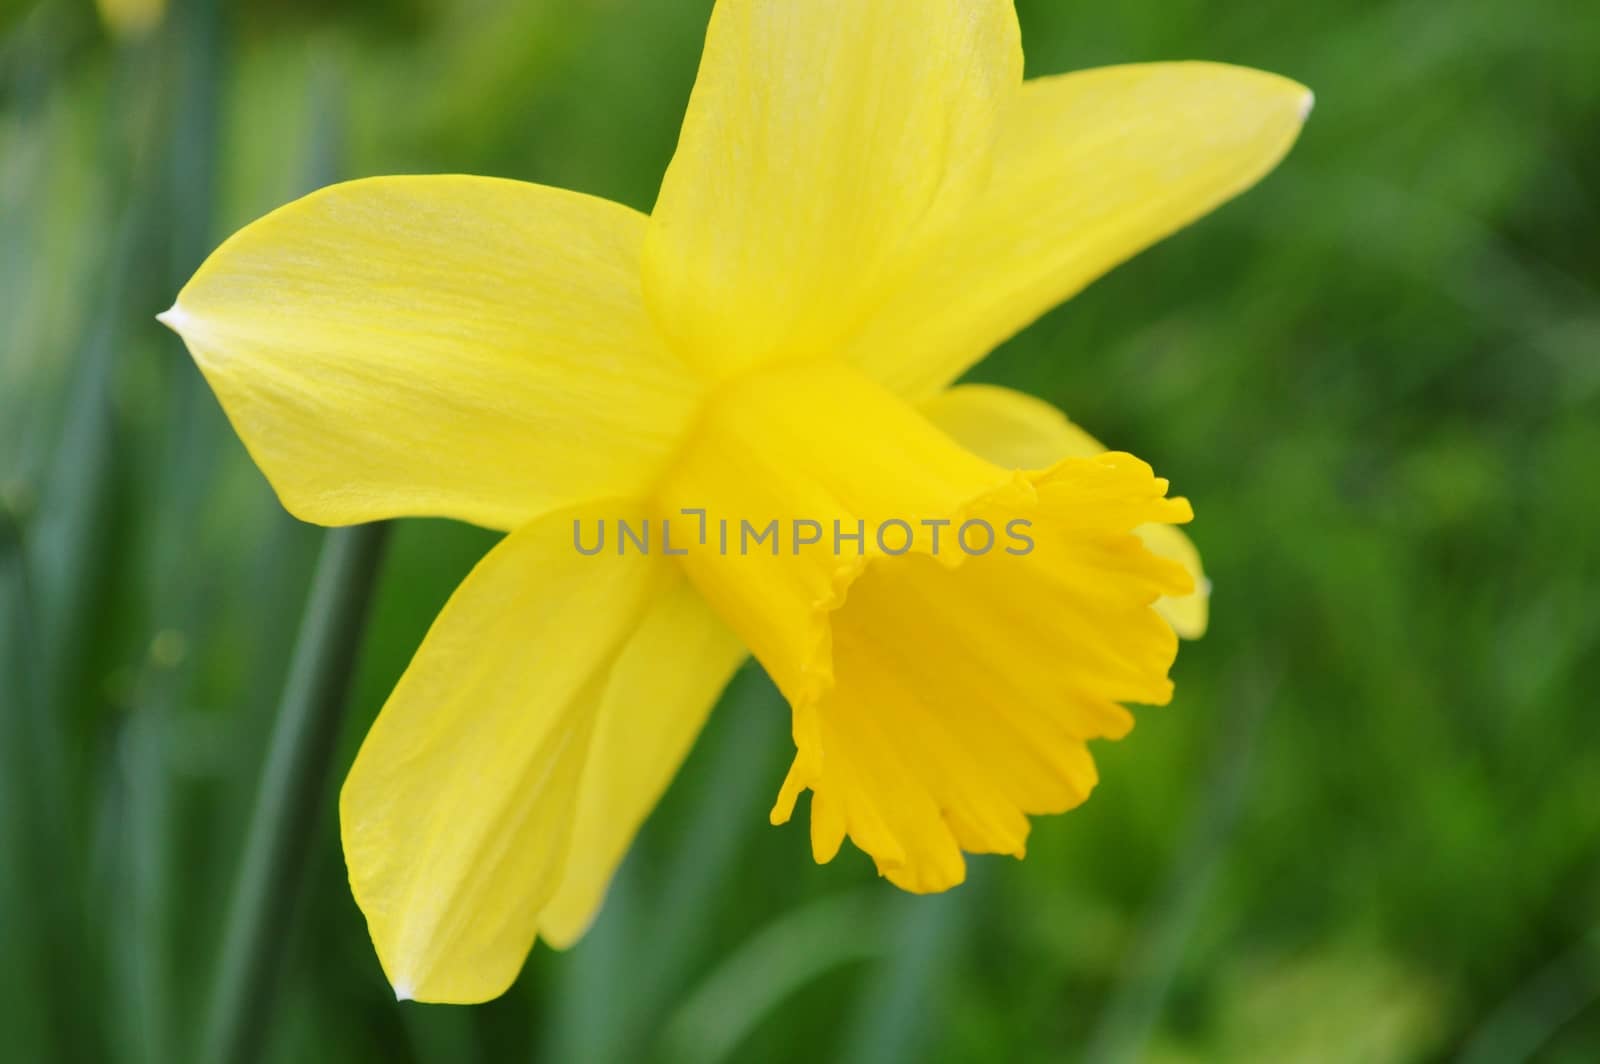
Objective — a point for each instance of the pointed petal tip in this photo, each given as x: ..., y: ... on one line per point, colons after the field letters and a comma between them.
x: 172, y: 318
x: 402, y: 992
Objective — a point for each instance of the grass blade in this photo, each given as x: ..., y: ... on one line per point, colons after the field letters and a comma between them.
x: 293, y: 787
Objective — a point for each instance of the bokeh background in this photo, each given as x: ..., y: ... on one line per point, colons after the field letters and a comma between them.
x: 1366, y: 830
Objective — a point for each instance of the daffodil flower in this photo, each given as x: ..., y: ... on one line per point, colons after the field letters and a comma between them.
x: 866, y: 198
x: 131, y: 18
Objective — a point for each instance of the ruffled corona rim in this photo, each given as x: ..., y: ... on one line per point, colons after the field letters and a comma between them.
x: 921, y: 734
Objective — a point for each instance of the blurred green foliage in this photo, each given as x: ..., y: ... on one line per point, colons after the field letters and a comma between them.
x: 1368, y: 828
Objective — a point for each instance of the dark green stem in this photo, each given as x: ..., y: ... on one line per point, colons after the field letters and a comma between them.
x: 293, y: 787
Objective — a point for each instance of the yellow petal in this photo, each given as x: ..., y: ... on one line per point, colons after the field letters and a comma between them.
x: 1188, y: 614
x: 949, y: 633
x: 1090, y: 169
x: 820, y: 137
x: 453, y: 346
x: 657, y: 696
x: 457, y: 814
x: 1017, y: 431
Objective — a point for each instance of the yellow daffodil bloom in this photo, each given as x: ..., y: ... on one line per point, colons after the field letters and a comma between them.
x: 866, y: 198
x: 131, y: 18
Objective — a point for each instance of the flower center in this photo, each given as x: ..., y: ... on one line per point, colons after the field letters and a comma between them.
x: 796, y: 475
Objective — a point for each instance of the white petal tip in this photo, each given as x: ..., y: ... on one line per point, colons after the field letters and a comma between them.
x: 1306, y: 104
x: 172, y: 318
x: 402, y: 992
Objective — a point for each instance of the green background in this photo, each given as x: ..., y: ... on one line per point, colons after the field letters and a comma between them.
x: 1368, y: 827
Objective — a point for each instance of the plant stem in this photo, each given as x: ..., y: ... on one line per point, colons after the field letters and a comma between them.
x: 293, y: 786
